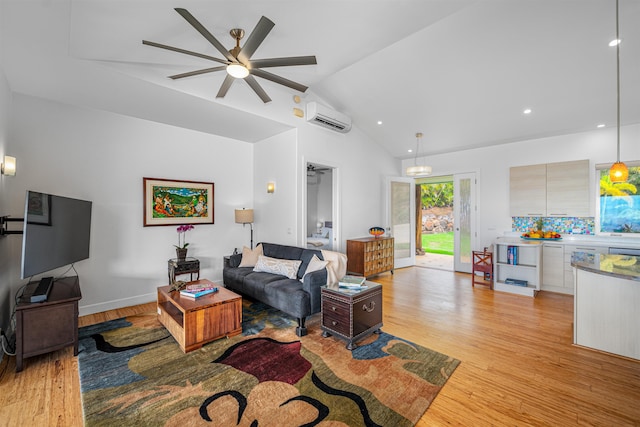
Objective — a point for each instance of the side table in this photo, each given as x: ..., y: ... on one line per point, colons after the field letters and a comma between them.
x: 42, y: 327
x: 350, y: 314
x: 176, y: 267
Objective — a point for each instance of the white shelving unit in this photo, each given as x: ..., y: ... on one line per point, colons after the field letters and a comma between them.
x: 527, y: 267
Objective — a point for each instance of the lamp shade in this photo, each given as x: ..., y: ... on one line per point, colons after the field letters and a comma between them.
x: 418, y: 170
x: 619, y: 172
x: 9, y: 166
x: 244, y: 216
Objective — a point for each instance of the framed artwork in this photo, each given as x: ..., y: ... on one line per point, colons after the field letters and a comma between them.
x: 38, y: 208
x: 175, y: 202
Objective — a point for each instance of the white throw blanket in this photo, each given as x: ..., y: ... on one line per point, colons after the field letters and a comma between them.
x: 336, y: 267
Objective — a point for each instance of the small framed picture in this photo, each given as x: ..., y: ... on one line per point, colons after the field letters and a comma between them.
x: 174, y: 202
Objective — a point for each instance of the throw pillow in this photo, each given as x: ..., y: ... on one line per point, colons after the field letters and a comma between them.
x: 250, y: 257
x: 314, y: 265
x: 284, y: 267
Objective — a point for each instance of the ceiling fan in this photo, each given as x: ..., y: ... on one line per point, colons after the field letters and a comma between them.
x: 238, y: 62
x: 313, y: 170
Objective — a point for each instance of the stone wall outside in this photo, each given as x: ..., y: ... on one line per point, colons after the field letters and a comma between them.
x: 437, y: 220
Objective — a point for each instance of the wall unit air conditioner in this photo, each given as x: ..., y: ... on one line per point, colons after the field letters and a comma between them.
x: 321, y: 115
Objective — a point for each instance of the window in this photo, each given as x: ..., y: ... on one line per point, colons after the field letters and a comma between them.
x: 619, y: 203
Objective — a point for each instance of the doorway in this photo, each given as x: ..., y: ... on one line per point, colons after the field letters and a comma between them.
x: 320, y: 198
x: 445, y: 228
x: 435, y: 222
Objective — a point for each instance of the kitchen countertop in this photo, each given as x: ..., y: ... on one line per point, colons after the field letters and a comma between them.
x: 580, y: 239
x: 620, y: 266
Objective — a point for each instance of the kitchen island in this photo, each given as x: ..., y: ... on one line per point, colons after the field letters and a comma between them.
x: 607, y: 303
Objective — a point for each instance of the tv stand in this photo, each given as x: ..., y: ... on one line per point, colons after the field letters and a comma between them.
x: 42, y: 327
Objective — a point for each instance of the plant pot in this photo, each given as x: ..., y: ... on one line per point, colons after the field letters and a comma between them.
x: 181, y: 253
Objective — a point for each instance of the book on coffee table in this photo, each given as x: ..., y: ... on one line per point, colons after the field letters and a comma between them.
x: 197, y: 294
x: 199, y: 287
x: 352, y: 282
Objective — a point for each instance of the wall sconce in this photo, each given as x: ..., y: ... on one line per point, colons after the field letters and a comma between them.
x: 8, y: 166
x: 245, y: 216
x: 271, y: 187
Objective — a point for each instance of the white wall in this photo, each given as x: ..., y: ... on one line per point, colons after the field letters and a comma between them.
x: 492, y: 168
x: 103, y: 157
x: 325, y: 196
x: 5, y: 186
x: 362, y: 166
x: 276, y: 214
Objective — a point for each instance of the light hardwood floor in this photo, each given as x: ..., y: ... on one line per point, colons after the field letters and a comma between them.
x: 518, y: 365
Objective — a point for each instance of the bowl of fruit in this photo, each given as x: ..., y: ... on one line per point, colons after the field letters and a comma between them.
x: 541, y: 235
x: 376, y: 231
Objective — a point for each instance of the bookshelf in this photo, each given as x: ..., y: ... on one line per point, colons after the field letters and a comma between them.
x: 519, y: 261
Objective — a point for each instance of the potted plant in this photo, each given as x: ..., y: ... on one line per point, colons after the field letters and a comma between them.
x: 181, y: 248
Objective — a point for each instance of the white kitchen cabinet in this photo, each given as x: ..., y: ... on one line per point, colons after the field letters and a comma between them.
x: 528, y: 190
x: 568, y: 269
x: 527, y: 267
x: 553, y: 189
x: 568, y: 189
x: 553, y: 267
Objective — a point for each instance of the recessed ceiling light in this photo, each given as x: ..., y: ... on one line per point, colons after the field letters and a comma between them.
x: 601, y: 125
x: 527, y: 111
x: 614, y: 42
x: 410, y: 150
x: 379, y: 122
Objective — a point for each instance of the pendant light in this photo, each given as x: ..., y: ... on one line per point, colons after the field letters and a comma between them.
x: 418, y: 170
x: 619, y: 171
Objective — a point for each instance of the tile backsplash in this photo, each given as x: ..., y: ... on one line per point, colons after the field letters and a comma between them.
x: 562, y: 225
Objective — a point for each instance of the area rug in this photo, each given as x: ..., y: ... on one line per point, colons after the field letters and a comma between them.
x: 132, y: 373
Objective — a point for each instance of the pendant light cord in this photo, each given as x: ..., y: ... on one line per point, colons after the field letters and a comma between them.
x: 418, y: 136
x: 618, y: 79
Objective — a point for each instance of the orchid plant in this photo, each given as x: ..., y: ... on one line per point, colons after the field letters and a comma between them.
x: 182, y: 229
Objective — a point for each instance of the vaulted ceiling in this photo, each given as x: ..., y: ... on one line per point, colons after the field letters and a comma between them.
x: 460, y: 71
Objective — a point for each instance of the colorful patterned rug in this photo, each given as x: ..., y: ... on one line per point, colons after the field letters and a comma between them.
x: 133, y: 373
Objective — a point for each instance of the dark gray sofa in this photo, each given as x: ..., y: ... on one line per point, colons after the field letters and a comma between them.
x: 292, y: 296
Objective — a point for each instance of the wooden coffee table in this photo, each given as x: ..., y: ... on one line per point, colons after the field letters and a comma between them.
x: 195, y: 322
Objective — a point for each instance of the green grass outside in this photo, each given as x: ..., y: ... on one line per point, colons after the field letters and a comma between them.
x: 441, y: 243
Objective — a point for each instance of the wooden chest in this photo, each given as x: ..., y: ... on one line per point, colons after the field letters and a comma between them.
x: 370, y: 255
x: 352, y: 315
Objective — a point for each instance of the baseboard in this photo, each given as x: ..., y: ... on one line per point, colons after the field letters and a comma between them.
x: 115, y: 304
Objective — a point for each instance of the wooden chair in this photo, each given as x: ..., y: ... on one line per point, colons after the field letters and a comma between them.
x: 483, y: 262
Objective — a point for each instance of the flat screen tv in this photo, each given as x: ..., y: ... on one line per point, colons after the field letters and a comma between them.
x: 56, y: 232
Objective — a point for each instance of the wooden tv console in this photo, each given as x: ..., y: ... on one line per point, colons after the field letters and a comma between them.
x: 42, y: 327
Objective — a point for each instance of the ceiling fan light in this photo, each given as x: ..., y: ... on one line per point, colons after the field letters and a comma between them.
x: 237, y: 70
x: 418, y: 170
x: 619, y: 172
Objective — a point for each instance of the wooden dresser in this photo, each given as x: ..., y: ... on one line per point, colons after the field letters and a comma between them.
x: 369, y: 256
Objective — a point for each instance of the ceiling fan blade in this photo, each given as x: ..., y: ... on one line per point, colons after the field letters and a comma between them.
x: 283, y: 62
x: 226, y: 84
x: 277, y: 79
x: 256, y: 37
x: 205, y: 33
x: 186, y: 52
x: 251, y: 81
x: 197, y: 72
